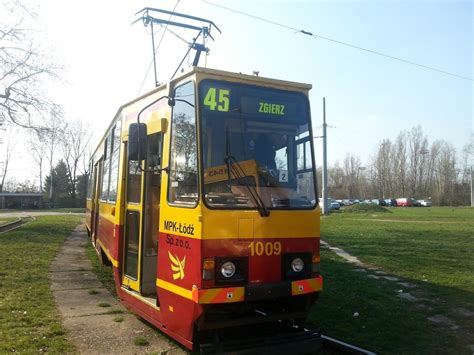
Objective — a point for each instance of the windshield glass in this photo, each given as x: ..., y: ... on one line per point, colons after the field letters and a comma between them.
x: 261, y: 136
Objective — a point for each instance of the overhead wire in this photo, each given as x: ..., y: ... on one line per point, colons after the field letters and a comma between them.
x: 316, y: 36
x: 158, y: 46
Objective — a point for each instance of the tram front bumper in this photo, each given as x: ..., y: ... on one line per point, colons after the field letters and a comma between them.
x: 257, y: 292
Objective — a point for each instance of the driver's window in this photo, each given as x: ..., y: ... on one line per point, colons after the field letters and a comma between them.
x: 183, y: 187
x: 281, y: 158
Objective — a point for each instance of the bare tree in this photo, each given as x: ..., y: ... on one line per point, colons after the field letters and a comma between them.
x: 52, y: 136
x: 38, y: 149
x: 418, y: 148
x: 24, y: 69
x: 399, y: 158
x: 445, y: 173
x: 74, y: 143
x: 7, y: 154
x: 337, y: 180
x: 382, y: 169
x: 353, y: 173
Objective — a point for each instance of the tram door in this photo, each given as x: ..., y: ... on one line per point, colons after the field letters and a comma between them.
x: 142, y: 201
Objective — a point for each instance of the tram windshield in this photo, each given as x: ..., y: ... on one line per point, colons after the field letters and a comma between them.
x: 256, y: 147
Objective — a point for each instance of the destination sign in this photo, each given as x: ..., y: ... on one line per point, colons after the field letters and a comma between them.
x: 221, y: 97
x: 281, y: 108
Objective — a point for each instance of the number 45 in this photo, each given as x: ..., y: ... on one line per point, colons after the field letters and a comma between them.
x: 222, y: 104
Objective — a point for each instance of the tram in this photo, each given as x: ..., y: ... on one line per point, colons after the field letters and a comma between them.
x: 202, y: 197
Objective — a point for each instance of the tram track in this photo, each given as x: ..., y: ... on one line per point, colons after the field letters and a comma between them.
x: 332, y: 345
x: 278, y: 337
x: 7, y: 227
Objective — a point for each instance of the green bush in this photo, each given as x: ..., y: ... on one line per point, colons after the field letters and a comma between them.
x: 365, y: 208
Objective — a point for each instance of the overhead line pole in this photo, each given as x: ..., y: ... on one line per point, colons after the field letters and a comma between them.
x: 154, y: 56
x: 325, y: 162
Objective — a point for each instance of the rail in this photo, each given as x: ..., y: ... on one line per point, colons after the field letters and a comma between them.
x: 7, y: 227
x: 343, y: 347
x: 277, y: 337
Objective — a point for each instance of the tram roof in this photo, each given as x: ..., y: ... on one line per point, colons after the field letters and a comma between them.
x: 222, y: 75
x: 218, y: 75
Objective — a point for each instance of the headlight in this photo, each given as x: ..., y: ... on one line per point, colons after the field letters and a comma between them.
x: 228, y: 269
x: 297, y: 265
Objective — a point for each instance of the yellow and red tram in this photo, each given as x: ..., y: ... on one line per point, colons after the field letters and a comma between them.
x: 202, y: 197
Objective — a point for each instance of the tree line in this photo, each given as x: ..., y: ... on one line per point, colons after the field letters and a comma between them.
x: 408, y: 166
x: 58, y: 148
x: 60, y: 152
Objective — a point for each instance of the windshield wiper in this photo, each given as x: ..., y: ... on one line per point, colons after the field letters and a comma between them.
x: 264, y: 212
x: 227, y: 158
x: 232, y: 163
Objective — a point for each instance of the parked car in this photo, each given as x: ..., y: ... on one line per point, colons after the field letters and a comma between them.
x: 404, y: 202
x: 331, y: 204
x: 424, y: 203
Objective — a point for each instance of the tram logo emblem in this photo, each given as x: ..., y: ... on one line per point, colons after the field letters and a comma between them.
x: 177, y: 266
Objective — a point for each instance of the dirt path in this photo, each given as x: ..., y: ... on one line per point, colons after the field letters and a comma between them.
x: 96, y: 322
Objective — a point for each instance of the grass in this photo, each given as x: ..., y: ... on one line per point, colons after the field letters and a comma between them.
x: 29, y: 321
x: 63, y: 210
x: 104, y: 273
x: 5, y: 220
x: 141, y: 341
x: 431, y: 248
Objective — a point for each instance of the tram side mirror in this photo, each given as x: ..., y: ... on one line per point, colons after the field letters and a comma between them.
x: 137, y: 141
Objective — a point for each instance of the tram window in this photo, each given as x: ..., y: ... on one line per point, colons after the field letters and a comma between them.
x: 303, y: 155
x: 89, y: 180
x: 182, y: 185
x: 281, y: 158
x: 114, y: 161
x: 105, y: 172
x: 307, y: 156
x: 134, y: 182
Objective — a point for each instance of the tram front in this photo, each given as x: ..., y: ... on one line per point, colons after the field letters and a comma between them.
x: 260, y: 221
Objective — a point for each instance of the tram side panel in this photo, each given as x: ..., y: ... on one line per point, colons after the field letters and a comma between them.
x: 179, y: 270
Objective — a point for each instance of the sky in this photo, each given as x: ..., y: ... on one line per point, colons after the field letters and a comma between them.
x: 368, y: 97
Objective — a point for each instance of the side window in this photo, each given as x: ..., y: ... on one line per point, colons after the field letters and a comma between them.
x: 105, y: 171
x: 153, y: 159
x: 90, y: 178
x: 114, y: 161
x: 303, y: 155
x: 134, y: 181
x: 304, y: 166
x: 182, y: 184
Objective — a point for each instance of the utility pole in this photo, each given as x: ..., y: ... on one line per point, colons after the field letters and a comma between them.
x: 325, y: 162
